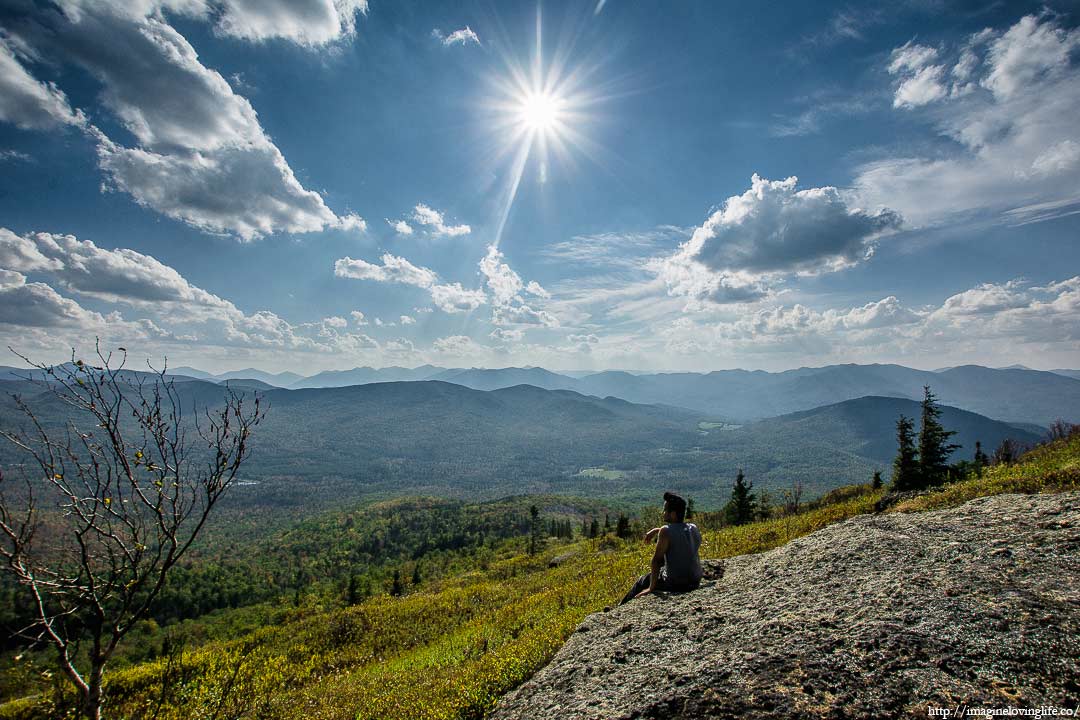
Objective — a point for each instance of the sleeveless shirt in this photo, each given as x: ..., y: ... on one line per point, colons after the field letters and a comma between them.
x: 681, y: 563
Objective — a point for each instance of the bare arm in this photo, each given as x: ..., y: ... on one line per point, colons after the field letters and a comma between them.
x: 651, y: 534
x: 662, y: 542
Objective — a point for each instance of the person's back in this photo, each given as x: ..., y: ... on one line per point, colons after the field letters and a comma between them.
x: 675, y: 564
x: 682, y: 567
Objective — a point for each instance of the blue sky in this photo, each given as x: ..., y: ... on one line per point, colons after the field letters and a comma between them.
x: 681, y: 186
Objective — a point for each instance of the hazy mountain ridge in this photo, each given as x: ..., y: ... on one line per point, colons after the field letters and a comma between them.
x: 446, y: 439
x: 1014, y: 394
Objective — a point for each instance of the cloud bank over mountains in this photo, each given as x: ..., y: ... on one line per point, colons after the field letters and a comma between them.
x: 999, y: 147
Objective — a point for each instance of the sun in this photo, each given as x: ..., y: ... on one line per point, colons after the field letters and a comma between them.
x: 540, y: 111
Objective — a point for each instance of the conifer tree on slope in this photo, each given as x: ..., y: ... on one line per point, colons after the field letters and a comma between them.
x: 934, y: 445
x: 905, y: 474
x: 740, y: 508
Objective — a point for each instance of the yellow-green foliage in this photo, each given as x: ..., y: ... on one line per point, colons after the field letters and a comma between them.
x: 450, y: 650
x: 447, y: 652
x: 1049, y: 468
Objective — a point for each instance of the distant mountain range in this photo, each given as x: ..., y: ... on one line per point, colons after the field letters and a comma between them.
x: 442, y: 438
x: 1011, y: 395
x: 1015, y: 394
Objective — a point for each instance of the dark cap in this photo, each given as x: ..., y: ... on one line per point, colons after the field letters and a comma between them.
x: 674, y: 502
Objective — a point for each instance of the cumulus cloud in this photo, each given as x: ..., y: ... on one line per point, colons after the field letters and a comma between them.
x: 522, y: 315
x: 201, y: 155
x: 306, y: 22
x: 173, y: 309
x: 990, y: 320
x: 453, y: 298
x: 458, y: 345
x: 464, y: 36
x: 407, y: 320
x: 336, y: 322
x: 921, y: 80
x: 358, y: 317
x: 769, y: 231
x: 35, y: 304
x: 393, y: 269
x: 120, y: 275
x: 400, y: 226
x: 1008, y: 111
x: 448, y: 297
x: 506, y: 287
x: 28, y: 103
x: 435, y: 223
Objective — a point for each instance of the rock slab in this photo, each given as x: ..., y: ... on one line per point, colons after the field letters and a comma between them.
x: 877, y: 616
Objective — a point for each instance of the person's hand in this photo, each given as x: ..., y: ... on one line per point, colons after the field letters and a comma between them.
x: 651, y: 534
x: 646, y: 591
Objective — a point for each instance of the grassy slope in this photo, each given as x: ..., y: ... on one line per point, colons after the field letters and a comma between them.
x: 451, y: 650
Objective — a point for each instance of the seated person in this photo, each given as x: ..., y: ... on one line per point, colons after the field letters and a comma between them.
x: 675, y: 563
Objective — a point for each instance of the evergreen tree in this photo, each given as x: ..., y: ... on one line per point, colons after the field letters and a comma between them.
x: 739, y: 510
x: 536, y: 542
x: 934, y: 445
x: 607, y: 523
x: 396, y: 589
x: 416, y: 574
x: 622, y: 528
x: 352, y: 595
x: 594, y: 528
x: 876, y: 482
x: 980, y: 460
x: 689, y: 509
x: 764, y: 505
x: 905, y: 474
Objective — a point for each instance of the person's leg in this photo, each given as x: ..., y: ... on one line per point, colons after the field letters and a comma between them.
x: 641, y: 584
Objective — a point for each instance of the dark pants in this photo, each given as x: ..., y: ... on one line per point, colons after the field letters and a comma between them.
x: 662, y: 583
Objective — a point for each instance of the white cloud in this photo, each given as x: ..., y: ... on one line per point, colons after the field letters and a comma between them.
x: 510, y: 335
x: 448, y: 297
x: 436, y: 223
x: 305, y: 22
x: 22, y: 253
x: 400, y: 227
x: 453, y: 298
x: 201, y: 155
x: 522, y: 315
x: 502, y: 281
x: 358, y: 317
x: 464, y: 36
x: 120, y: 275
x: 1009, y: 115
x: 506, y: 286
x: 407, y: 320
x: 28, y: 103
x: 534, y: 288
x: 921, y: 88
x: 173, y: 310
x: 393, y: 269
x: 991, y: 320
x: 458, y: 345
x: 1032, y: 51
x: 770, y: 231
x: 336, y: 322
